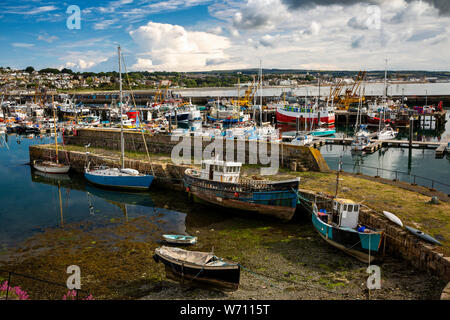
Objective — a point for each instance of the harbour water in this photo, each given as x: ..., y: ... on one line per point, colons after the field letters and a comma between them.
x: 31, y: 200
x: 372, y: 89
x: 40, y: 207
x: 415, y: 166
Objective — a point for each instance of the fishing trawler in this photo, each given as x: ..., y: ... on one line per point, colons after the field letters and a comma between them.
x: 219, y: 183
x: 295, y: 113
x: 341, y: 229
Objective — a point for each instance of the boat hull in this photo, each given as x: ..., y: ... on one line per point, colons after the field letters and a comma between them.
x: 226, y: 277
x: 276, y: 201
x: 291, y: 117
x: 356, y: 244
x: 323, y: 133
x: 175, y: 239
x: 51, y: 169
x: 120, y: 182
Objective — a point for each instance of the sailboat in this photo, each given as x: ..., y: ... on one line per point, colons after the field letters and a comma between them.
x: 49, y: 166
x: 120, y: 178
x: 387, y: 133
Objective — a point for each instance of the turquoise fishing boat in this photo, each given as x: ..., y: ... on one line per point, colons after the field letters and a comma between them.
x: 341, y: 229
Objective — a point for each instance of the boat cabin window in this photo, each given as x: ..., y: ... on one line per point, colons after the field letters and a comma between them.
x: 203, y: 165
x: 350, y: 208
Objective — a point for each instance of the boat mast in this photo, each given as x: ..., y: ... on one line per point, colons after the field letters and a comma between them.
x: 261, y: 93
x: 384, y: 97
x: 337, y: 176
x: 122, y: 145
x: 56, y: 136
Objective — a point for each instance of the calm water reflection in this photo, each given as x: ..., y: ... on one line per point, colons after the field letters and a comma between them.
x: 30, y: 201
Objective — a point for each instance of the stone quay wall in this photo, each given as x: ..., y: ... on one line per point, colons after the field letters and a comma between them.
x: 295, y: 158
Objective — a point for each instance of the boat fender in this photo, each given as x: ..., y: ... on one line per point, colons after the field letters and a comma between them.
x: 188, y: 189
x: 236, y: 195
x: 156, y: 258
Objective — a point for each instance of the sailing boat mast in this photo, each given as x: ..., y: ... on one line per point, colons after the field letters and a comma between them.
x: 261, y: 93
x: 384, y: 97
x: 122, y: 145
x: 56, y: 136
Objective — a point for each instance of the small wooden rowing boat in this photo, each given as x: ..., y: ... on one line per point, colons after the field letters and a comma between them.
x: 201, y: 267
x: 179, y: 239
x: 393, y: 218
x: 423, y: 236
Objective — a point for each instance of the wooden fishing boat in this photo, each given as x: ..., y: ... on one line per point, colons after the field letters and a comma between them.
x: 219, y: 183
x: 423, y: 236
x: 200, y: 267
x: 179, y: 239
x: 341, y: 229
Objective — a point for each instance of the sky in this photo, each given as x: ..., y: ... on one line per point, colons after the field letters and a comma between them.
x: 203, y: 35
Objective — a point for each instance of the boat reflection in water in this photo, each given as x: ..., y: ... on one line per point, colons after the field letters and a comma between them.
x: 79, y: 201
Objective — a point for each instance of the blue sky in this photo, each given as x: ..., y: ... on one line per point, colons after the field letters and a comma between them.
x: 195, y: 35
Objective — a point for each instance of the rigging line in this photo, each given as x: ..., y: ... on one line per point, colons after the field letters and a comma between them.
x: 134, y: 103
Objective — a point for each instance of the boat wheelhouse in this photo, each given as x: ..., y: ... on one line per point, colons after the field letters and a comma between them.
x: 341, y: 229
x: 219, y: 183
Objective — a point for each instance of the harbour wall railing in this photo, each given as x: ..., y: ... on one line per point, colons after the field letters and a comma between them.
x: 397, y: 175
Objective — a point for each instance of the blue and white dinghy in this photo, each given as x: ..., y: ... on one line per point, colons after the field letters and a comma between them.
x: 179, y: 239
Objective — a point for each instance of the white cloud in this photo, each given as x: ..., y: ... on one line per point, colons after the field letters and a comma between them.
x: 45, y: 37
x: 28, y: 11
x: 86, y: 59
x: 104, y: 24
x: 172, y: 47
x: 22, y: 45
x: 337, y: 34
x: 261, y: 15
